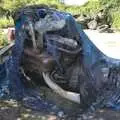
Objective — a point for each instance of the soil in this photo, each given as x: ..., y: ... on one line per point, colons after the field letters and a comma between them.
x: 14, y: 110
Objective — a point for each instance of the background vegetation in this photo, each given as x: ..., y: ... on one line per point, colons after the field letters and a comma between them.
x: 3, y: 39
x: 93, y: 6
x: 7, y: 7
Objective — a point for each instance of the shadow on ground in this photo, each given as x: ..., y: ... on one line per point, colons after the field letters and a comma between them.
x: 13, y: 110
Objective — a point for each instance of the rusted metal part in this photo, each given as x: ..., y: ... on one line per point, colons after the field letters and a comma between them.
x: 40, y: 62
x: 72, y: 96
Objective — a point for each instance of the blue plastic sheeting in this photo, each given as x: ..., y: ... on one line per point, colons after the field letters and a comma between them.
x: 11, y: 81
x: 93, y: 58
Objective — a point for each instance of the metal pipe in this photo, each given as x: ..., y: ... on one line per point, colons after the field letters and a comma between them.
x: 33, y: 35
x: 72, y: 96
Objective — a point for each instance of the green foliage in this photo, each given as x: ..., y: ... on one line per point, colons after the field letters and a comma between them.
x: 111, y: 3
x: 4, y: 22
x: 89, y: 8
x: 116, y: 19
x: 3, y: 39
x: 11, y: 5
x: 113, y: 6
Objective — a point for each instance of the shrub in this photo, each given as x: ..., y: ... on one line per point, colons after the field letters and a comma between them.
x: 116, y: 19
x: 4, y: 22
x: 111, y: 3
x: 89, y: 8
x: 3, y: 39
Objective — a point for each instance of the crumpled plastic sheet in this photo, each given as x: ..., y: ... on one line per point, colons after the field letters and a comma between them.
x: 109, y: 95
x: 11, y: 81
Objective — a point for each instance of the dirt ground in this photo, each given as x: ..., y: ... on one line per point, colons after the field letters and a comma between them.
x: 13, y: 110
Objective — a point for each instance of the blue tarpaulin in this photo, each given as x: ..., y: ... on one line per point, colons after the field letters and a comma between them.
x: 103, y: 70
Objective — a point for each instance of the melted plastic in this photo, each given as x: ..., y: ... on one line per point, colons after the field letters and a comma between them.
x: 103, y: 77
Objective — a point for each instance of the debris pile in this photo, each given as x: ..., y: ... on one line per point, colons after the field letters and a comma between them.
x: 50, y: 49
x: 101, y: 21
x: 48, y: 42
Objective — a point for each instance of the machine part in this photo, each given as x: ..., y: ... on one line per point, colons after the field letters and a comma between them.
x: 41, y: 62
x: 30, y: 11
x: 32, y: 35
x: 72, y: 52
x: 72, y: 96
x: 62, y: 40
x: 49, y: 24
x: 39, y: 40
